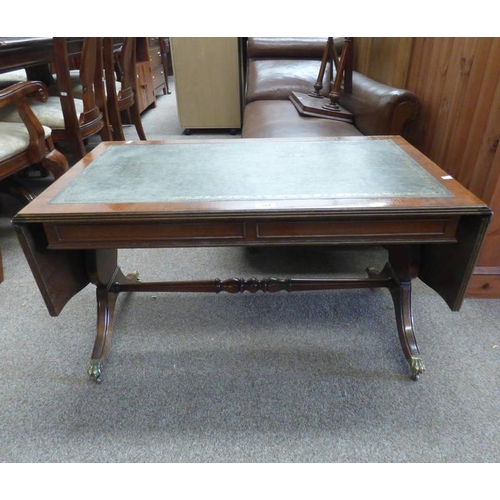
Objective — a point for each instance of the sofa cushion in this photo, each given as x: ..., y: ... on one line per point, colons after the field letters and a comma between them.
x: 288, y: 47
x: 280, y: 118
x: 277, y: 78
x: 278, y: 66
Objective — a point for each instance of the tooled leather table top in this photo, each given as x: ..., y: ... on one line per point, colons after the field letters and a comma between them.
x: 255, y: 170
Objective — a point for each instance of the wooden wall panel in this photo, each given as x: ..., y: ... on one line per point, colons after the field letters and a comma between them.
x: 458, y: 83
x: 383, y: 59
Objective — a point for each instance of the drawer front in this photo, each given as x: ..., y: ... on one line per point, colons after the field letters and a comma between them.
x: 143, y: 234
x: 359, y: 231
x: 153, y: 41
x: 155, y: 57
x: 251, y: 232
x: 158, y: 77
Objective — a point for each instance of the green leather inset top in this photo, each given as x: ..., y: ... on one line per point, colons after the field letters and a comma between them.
x: 238, y: 170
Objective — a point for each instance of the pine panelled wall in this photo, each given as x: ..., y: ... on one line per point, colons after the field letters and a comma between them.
x: 383, y: 59
x: 458, y: 83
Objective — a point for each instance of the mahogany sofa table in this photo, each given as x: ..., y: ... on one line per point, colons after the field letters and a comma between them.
x: 372, y: 191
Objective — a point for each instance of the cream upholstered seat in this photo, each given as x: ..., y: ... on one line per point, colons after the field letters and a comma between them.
x: 15, y: 139
x: 49, y: 113
x: 12, y: 77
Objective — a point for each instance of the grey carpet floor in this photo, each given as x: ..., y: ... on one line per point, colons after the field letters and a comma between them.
x: 312, y: 377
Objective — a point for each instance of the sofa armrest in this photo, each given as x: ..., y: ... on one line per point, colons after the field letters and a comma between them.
x: 379, y: 109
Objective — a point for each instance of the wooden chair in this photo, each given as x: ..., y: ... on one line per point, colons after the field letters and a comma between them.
x: 121, y: 86
x: 72, y: 120
x: 25, y: 144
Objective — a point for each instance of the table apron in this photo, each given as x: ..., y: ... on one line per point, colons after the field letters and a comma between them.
x: 34, y: 53
x: 140, y: 234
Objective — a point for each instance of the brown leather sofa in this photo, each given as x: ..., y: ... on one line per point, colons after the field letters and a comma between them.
x: 277, y: 66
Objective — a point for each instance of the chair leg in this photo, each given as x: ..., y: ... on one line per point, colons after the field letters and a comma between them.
x: 116, y: 125
x: 55, y: 162
x: 136, y: 120
x: 106, y: 131
x: 13, y: 188
x: 106, y: 134
x: 76, y: 146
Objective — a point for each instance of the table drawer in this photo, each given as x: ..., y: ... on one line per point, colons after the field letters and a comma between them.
x: 143, y: 234
x: 439, y: 229
x: 249, y: 232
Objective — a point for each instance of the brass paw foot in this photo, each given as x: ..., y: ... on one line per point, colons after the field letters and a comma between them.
x: 94, y: 370
x: 133, y: 276
x: 417, y: 367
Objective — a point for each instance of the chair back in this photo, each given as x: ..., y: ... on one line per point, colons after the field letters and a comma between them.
x: 120, y: 65
x: 126, y: 60
x: 91, y: 120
